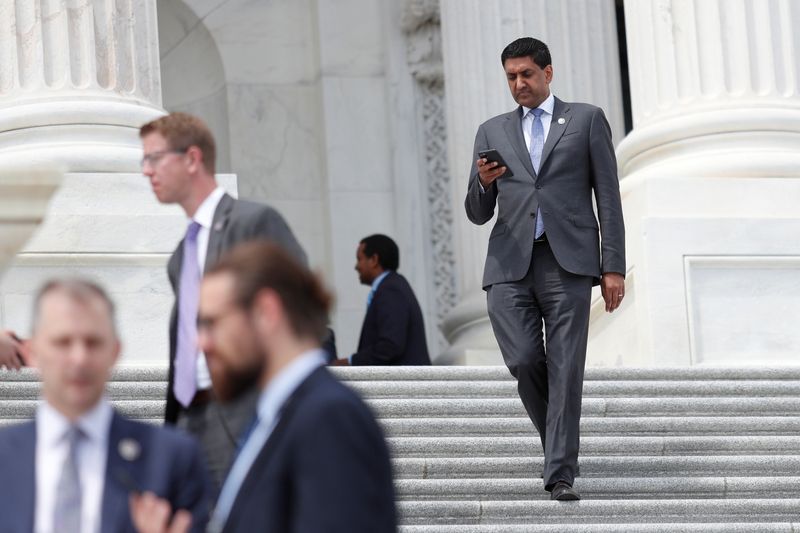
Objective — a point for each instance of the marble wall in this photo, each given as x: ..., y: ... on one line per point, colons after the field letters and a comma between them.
x: 316, y: 116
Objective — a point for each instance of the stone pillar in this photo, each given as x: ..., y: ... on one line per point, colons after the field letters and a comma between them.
x: 583, y: 43
x: 77, y: 79
x: 711, y: 183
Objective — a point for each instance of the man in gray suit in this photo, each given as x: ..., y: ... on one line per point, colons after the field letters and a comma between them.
x: 544, y: 250
x: 179, y: 159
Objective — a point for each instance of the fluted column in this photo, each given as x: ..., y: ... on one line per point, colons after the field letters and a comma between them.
x: 711, y: 183
x: 77, y: 78
x: 583, y: 43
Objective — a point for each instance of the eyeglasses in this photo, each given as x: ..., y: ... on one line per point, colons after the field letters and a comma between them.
x: 155, y: 157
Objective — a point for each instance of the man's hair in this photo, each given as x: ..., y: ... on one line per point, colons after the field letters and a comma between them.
x: 385, y: 248
x: 259, y: 265
x: 527, y: 47
x: 78, y: 290
x: 182, y: 131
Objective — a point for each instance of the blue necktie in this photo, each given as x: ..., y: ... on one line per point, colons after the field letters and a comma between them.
x: 537, y: 145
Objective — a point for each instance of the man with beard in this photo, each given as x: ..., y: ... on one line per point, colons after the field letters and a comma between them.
x: 314, y: 459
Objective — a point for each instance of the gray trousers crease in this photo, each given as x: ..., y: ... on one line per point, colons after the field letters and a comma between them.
x: 549, y: 371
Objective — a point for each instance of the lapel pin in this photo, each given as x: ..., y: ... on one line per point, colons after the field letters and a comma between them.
x: 129, y: 449
x: 561, y: 121
x: 218, y: 226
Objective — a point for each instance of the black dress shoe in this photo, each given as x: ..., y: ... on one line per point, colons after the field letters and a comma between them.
x: 563, y: 492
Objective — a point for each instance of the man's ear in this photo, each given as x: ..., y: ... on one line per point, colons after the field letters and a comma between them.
x: 548, y: 73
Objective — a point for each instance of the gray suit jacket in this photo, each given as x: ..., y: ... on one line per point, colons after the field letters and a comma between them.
x: 577, y: 160
x: 235, y: 221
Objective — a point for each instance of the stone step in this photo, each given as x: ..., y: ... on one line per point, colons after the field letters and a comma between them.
x: 117, y: 390
x: 136, y: 409
x: 601, y: 488
x: 500, y: 373
x: 531, y: 466
x: 701, y: 425
x: 591, y: 389
x: 14, y: 400
x: 775, y: 527
x: 600, y: 407
x: 599, y: 511
x: 593, y: 445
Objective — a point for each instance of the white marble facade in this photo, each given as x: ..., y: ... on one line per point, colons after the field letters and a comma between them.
x: 357, y: 116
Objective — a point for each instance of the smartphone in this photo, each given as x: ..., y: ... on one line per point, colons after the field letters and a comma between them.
x: 493, y: 156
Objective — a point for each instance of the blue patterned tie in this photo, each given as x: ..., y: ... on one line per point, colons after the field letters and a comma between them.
x: 537, y: 145
x: 185, y: 384
x: 67, y: 511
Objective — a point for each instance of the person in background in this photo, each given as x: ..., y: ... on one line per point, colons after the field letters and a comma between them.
x: 393, y: 332
x: 72, y: 468
x: 313, y: 459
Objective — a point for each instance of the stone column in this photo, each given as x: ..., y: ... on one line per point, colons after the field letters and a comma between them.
x: 583, y: 42
x: 712, y: 183
x: 77, y: 79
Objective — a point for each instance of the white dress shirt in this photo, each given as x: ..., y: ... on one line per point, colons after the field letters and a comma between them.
x: 51, y: 451
x: 270, y: 404
x: 205, y: 217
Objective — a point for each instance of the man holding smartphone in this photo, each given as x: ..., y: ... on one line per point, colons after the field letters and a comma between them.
x: 544, y: 251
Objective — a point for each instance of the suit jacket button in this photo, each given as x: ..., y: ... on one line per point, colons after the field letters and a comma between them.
x: 533, y: 215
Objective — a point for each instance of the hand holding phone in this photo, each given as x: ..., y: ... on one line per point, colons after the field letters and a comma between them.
x: 488, y: 172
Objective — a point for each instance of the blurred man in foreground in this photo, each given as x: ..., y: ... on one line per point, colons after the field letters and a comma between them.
x: 71, y: 469
x: 314, y: 458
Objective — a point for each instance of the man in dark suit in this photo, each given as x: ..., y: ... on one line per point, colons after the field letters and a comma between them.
x: 393, y: 332
x: 73, y: 467
x: 179, y: 159
x: 545, y: 250
x: 314, y: 459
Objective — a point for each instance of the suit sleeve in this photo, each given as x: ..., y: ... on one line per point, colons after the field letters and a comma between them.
x: 191, y: 485
x: 479, y: 204
x: 344, y: 481
x: 393, y: 314
x: 606, y: 189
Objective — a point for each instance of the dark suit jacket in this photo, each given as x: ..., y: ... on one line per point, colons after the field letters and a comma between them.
x: 235, y: 222
x: 325, y: 468
x: 169, y: 464
x: 393, y: 332
x: 577, y: 160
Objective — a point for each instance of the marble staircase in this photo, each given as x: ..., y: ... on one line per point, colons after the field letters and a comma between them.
x: 663, y: 449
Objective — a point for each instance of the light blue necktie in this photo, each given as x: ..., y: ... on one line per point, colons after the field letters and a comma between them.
x: 185, y: 384
x: 67, y: 510
x: 537, y: 145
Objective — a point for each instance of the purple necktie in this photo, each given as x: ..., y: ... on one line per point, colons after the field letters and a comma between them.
x: 537, y: 145
x: 188, y: 296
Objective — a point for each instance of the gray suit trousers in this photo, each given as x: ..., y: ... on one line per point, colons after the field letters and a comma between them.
x: 549, y: 373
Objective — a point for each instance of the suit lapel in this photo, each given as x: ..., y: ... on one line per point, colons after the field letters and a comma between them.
x: 122, y: 474
x: 265, y: 456
x: 22, y: 472
x: 560, y: 111
x: 513, y: 127
x: 221, y: 216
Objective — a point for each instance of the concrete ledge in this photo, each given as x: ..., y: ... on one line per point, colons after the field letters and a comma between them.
x: 602, y: 488
x: 777, y: 527
x: 598, y: 511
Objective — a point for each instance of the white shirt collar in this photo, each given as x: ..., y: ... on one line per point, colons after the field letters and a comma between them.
x: 95, y: 423
x: 281, y: 387
x: 205, y: 213
x: 547, y: 106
